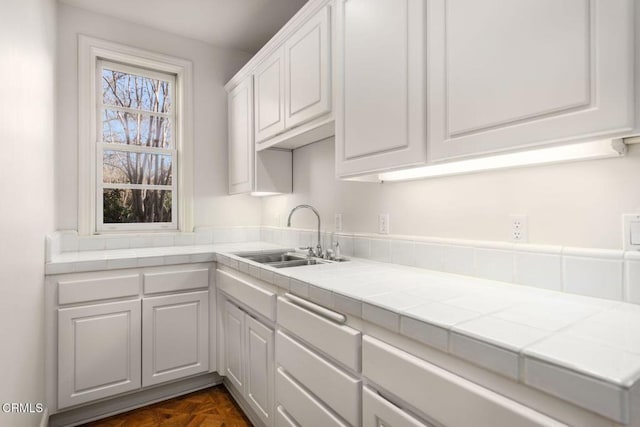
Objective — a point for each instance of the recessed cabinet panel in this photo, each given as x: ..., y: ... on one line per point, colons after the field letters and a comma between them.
x: 241, y: 152
x: 98, y: 351
x: 269, y: 97
x: 500, y: 80
x: 233, y: 345
x: 380, y: 116
x: 259, y: 368
x: 175, y: 336
x: 307, y: 82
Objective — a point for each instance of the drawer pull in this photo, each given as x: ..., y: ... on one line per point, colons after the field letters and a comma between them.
x: 317, y: 309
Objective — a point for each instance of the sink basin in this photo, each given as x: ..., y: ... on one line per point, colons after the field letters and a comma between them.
x: 285, y: 259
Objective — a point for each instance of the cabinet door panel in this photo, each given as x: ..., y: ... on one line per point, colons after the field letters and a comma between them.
x: 501, y: 80
x: 233, y: 345
x: 259, y: 368
x: 307, y: 78
x: 175, y: 336
x: 98, y: 351
x: 380, y: 120
x: 269, y: 97
x: 241, y: 150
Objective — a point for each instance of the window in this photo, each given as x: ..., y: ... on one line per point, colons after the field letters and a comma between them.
x: 135, y: 154
x: 136, y: 148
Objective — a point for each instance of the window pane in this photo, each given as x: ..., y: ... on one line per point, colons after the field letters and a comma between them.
x: 137, y: 92
x: 120, y: 127
x: 122, y: 167
x: 136, y: 206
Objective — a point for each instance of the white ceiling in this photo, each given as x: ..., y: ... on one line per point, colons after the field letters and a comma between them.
x: 238, y: 24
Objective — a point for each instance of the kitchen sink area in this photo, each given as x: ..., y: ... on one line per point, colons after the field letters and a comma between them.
x: 286, y: 259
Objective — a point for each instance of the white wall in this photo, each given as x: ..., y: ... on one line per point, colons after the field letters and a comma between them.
x: 212, y: 66
x: 573, y: 204
x: 27, y: 66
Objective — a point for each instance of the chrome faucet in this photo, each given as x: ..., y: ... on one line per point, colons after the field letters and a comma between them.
x: 318, y: 251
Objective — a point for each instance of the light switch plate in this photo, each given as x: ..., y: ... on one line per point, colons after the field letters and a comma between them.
x: 631, y: 232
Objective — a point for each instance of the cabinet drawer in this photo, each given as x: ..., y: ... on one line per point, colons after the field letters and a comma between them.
x: 438, y: 393
x: 379, y: 412
x: 100, y: 288
x: 320, y: 377
x: 301, y: 405
x: 258, y: 299
x: 176, y: 280
x: 338, y: 341
x: 283, y: 419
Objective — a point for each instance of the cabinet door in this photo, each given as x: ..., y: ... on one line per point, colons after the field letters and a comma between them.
x: 259, y: 370
x: 307, y: 77
x: 175, y: 336
x: 98, y: 351
x: 500, y: 80
x: 379, y: 412
x: 380, y: 118
x: 241, y: 151
x: 269, y: 97
x: 233, y: 345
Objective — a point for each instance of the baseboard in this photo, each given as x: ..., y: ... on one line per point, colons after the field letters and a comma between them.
x: 124, y: 403
x: 242, y: 403
x: 44, y: 420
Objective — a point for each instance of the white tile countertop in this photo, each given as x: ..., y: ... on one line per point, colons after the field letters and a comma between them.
x: 543, y: 338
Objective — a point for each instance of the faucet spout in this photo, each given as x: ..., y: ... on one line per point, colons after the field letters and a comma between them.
x: 319, y: 246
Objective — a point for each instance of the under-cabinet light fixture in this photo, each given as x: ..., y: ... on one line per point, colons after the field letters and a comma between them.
x: 565, y: 153
x: 264, y: 193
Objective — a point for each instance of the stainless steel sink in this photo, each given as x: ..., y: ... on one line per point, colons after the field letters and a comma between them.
x: 285, y: 259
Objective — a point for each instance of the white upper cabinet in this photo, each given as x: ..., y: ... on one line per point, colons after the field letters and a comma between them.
x: 268, y: 171
x: 292, y: 78
x: 269, y: 96
x: 241, y: 153
x: 380, y: 85
x: 505, y: 75
x: 308, y: 67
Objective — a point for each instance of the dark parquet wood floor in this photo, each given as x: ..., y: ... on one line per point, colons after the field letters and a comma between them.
x: 212, y: 407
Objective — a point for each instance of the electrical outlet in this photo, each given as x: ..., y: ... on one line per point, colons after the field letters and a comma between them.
x: 337, y: 222
x: 383, y: 223
x: 519, y: 228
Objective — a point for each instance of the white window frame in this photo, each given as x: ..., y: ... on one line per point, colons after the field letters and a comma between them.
x: 90, y: 51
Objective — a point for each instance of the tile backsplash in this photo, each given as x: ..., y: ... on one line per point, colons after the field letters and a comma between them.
x: 602, y: 273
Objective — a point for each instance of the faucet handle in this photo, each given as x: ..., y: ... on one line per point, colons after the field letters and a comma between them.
x: 309, y: 249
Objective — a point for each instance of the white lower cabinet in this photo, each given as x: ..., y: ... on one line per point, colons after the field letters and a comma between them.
x: 379, y: 412
x: 249, y: 363
x: 103, y: 348
x: 318, y: 364
x: 98, y: 351
x: 175, y: 336
x: 438, y: 393
x: 303, y: 407
x: 233, y: 345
